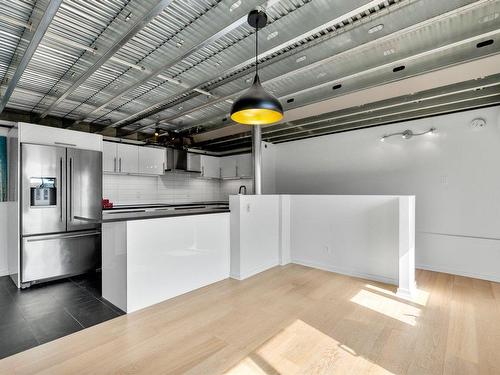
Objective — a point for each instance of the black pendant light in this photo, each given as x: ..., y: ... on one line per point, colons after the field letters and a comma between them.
x: 257, y: 106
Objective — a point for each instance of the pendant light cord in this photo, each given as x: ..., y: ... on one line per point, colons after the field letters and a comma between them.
x: 257, y: 50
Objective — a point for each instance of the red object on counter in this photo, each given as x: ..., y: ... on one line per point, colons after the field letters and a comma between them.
x: 107, y: 204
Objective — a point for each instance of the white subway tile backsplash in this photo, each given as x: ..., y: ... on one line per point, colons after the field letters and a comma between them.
x: 173, y: 187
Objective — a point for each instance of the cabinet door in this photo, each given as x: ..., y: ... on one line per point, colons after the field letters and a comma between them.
x: 109, y: 160
x: 128, y: 158
x: 210, y: 166
x: 151, y: 160
x: 228, y: 167
x: 244, y: 165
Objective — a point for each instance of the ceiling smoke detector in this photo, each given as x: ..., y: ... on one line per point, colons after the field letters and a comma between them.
x: 477, y: 124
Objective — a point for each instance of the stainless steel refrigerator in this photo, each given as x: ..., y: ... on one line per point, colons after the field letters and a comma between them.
x: 61, y: 190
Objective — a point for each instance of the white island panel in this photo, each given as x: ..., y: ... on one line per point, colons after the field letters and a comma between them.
x: 170, y: 256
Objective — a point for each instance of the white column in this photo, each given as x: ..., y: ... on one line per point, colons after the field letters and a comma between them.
x: 407, y: 286
x: 285, y: 245
x: 257, y: 159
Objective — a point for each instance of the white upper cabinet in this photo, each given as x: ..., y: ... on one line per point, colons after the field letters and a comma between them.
x: 39, y: 134
x: 228, y: 167
x: 152, y: 160
x: 128, y: 158
x: 210, y: 166
x: 236, y: 166
x: 244, y: 165
x: 109, y: 160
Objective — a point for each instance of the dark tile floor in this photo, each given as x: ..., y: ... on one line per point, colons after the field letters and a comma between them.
x: 45, y: 312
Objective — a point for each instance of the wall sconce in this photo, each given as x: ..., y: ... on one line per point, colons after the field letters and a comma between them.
x: 407, y: 134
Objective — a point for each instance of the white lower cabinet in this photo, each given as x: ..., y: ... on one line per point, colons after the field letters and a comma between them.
x: 152, y: 160
x: 140, y: 268
x: 210, y: 166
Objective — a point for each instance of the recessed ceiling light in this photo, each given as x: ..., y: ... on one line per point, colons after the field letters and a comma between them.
x: 235, y: 6
x: 248, y: 80
x: 488, y: 42
x: 376, y: 28
x: 389, y: 52
x: 272, y: 35
x: 291, y: 100
x: 337, y: 86
x: 399, y: 68
x: 301, y: 58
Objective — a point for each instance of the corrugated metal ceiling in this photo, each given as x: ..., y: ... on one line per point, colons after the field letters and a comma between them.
x: 129, y: 65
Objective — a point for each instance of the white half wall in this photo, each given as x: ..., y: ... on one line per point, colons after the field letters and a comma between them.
x: 255, y: 234
x: 352, y: 235
x: 453, y: 174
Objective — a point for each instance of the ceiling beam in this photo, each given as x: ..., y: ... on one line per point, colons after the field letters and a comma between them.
x: 476, y: 103
x: 153, y: 74
x: 461, y: 92
x: 249, y: 62
x: 133, y: 30
x: 38, y: 34
x: 470, y: 70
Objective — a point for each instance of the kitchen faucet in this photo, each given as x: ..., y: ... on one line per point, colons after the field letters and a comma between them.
x: 243, y: 187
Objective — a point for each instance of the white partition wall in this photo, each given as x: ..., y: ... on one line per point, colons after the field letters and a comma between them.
x: 255, y: 234
x: 372, y: 237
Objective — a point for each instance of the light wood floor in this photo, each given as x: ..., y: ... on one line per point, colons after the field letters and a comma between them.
x: 291, y: 320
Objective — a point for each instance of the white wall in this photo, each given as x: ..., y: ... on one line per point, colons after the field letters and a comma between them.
x: 454, y: 176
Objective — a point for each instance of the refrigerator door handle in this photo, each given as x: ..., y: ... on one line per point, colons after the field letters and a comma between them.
x: 60, y: 188
x: 70, y: 201
x: 88, y: 219
x: 65, y: 144
x: 63, y: 236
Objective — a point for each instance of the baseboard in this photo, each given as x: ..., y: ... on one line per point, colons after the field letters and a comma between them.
x: 495, y: 278
x: 253, y: 272
x: 344, y: 271
x: 4, y: 272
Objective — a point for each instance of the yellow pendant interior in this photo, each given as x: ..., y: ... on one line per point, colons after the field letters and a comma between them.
x: 256, y: 116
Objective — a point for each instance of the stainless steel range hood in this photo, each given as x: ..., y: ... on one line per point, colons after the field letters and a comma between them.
x: 180, y: 160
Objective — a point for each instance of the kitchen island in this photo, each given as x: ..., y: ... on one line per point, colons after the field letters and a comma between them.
x: 150, y: 254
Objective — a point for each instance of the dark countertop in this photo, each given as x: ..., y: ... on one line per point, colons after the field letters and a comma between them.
x: 161, y: 205
x: 141, y: 212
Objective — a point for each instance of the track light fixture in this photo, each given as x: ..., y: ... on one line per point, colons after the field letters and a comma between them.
x: 407, y: 134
